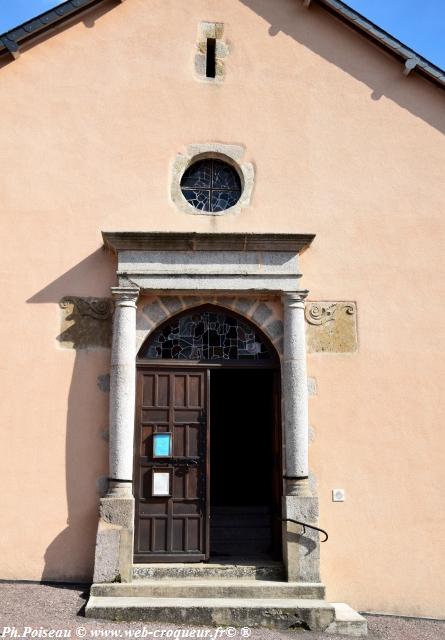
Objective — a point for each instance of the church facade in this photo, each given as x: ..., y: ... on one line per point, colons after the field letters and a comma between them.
x: 222, y: 224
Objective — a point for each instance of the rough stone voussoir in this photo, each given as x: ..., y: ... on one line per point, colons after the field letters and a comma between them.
x: 262, y: 313
x: 155, y: 312
x: 173, y: 304
x: 274, y: 329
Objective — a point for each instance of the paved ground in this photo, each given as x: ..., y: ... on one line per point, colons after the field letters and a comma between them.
x: 44, y: 607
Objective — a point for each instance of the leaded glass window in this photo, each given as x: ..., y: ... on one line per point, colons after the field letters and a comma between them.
x: 206, y: 335
x: 211, y: 185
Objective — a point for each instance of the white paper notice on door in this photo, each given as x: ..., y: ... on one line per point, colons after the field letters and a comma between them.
x: 161, y: 483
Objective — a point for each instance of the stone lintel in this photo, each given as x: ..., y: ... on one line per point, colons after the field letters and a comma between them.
x: 211, y: 283
x: 206, y: 262
x: 217, y: 262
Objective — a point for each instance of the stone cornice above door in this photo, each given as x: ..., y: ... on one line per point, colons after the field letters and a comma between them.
x: 193, y: 241
x: 208, y: 261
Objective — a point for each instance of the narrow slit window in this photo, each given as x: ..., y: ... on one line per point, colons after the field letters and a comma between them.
x: 211, y: 58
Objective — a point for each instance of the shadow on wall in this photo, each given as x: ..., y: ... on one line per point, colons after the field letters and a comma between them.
x: 337, y: 43
x: 88, y: 18
x: 70, y: 556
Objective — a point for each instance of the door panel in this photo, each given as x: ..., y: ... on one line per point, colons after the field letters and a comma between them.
x: 171, y: 527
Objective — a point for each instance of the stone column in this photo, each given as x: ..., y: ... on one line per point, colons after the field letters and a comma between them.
x: 114, y: 542
x: 122, y: 390
x: 300, y: 551
x: 295, y: 395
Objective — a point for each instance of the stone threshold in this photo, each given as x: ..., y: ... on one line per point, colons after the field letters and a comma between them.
x: 249, y: 569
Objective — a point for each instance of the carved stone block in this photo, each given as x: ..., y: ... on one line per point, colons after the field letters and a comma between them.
x: 301, y: 549
x: 86, y: 322
x: 331, y: 327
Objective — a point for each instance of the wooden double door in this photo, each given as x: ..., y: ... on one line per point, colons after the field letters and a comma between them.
x: 172, y: 464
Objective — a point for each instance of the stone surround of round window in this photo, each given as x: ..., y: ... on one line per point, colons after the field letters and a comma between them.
x: 211, y: 179
x: 211, y: 185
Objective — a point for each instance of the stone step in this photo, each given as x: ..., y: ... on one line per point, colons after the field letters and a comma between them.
x: 217, y: 568
x: 275, y: 613
x: 227, y: 548
x: 240, y: 511
x: 240, y: 522
x: 347, y: 622
x: 210, y: 588
x: 240, y: 535
x: 239, y: 519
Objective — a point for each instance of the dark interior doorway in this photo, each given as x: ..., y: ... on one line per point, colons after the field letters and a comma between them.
x: 243, y: 463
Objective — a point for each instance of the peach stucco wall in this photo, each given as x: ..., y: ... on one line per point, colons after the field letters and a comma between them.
x: 343, y: 146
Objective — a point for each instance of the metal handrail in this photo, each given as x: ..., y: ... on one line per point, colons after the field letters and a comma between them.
x: 305, y: 524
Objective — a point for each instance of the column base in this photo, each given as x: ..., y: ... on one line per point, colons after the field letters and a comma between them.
x: 119, y: 488
x: 298, y: 487
x: 301, y: 552
x: 114, y: 542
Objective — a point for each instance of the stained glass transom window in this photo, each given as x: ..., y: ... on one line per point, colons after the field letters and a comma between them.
x: 211, y: 185
x: 206, y: 335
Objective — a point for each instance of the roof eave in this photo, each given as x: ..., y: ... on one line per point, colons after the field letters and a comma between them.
x: 412, y: 60
x: 26, y: 33
x: 34, y: 29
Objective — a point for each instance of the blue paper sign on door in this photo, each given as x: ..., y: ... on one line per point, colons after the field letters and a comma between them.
x: 162, y: 445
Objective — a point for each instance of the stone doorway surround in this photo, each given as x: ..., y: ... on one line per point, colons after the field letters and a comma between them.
x: 207, y: 265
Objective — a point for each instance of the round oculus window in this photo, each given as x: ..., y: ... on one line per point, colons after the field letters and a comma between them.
x: 211, y: 185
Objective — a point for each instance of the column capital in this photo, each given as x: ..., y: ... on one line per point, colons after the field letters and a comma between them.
x: 295, y: 299
x: 125, y: 296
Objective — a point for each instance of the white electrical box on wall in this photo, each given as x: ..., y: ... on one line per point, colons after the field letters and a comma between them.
x: 338, y: 495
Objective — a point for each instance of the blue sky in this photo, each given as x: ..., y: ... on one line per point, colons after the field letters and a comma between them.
x: 418, y: 23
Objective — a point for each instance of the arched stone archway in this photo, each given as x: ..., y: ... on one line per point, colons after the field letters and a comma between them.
x: 209, y: 332
x: 265, y: 312
x: 208, y: 390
